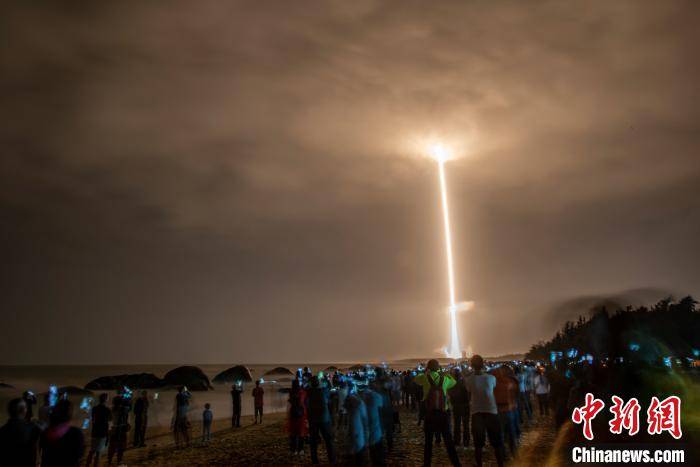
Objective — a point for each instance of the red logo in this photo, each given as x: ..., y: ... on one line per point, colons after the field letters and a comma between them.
x: 665, y: 416
x: 662, y: 416
x: 587, y: 413
x: 625, y: 416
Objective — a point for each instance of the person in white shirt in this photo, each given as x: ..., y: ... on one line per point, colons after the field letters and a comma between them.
x: 484, y: 411
x: 541, y: 384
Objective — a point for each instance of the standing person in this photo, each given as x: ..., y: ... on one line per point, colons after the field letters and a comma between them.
x: 45, y: 412
x: 121, y: 407
x: 541, y: 384
x: 375, y: 406
x: 306, y: 376
x: 358, y: 427
x: 342, y: 412
x: 30, y: 400
x: 319, y: 420
x: 334, y: 405
x: 459, y: 401
x: 181, y: 424
x: 62, y: 445
x: 258, y: 401
x: 297, y: 419
x: 484, y: 411
x: 140, y: 420
x: 524, y: 405
x: 506, y: 395
x: 207, y: 419
x: 435, y: 386
x: 384, y: 390
x: 18, y: 437
x: 530, y: 373
x: 236, y: 391
x: 100, y: 416
x: 405, y: 387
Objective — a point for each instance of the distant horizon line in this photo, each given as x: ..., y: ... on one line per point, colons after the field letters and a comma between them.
x: 352, y: 362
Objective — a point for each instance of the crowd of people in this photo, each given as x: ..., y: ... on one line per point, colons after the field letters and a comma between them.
x: 52, y: 439
x: 355, y: 415
x: 455, y: 405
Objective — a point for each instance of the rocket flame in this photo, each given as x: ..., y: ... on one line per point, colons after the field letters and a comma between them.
x: 441, y: 155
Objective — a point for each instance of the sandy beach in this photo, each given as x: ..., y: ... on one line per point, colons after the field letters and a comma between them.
x: 267, y: 444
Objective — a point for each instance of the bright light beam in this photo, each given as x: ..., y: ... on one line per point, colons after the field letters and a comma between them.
x: 442, y: 155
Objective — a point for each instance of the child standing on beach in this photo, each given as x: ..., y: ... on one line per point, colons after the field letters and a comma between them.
x: 207, y: 417
x: 258, y: 400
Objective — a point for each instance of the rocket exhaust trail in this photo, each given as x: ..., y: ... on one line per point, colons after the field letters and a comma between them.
x: 454, y: 350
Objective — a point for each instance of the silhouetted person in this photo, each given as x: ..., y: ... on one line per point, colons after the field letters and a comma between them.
x: 45, y: 412
x: 342, y: 412
x: 100, y: 416
x: 319, y: 421
x: 207, y: 419
x: 358, y: 427
x: 236, y: 391
x: 121, y: 407
x: 524, y: 404
x: 18, y: 437
x: 506, y: 395
x: 484, y: 411
x: 30, y: 400
x: 459, y: 400
x: 375, y: 403
x: 62, y: 445
x: 181, y: 424
x: 437, y: 418
x: 541, y: 384
x: 258, y: 401
x: 297, y: 420
x: 383, y: 386
x: 140, y: 420
x: 306, y: 376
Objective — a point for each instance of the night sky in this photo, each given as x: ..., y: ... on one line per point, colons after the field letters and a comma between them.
x: 246, y: 182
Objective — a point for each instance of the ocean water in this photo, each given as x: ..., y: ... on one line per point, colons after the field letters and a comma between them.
x: 39, y: 378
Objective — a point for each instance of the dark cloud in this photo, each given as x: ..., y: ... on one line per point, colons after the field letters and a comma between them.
x: 211, y: 182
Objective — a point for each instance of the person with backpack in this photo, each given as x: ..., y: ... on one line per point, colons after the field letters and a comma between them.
x: 297, y: 419
x: 435, y: 385
x: 459, y: 401
x: 484, y: 411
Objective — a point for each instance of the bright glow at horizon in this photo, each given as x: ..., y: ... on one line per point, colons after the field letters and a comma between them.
x: 442, y: 154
